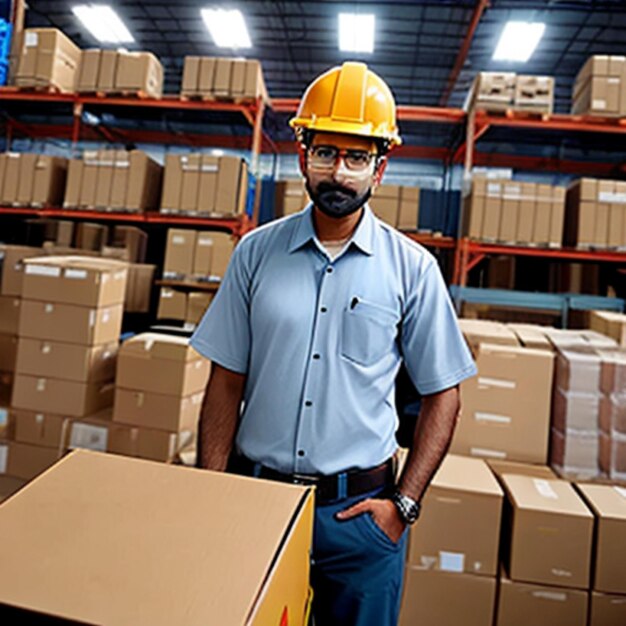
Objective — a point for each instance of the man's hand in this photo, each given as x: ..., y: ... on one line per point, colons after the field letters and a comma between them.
x: 384, y: 514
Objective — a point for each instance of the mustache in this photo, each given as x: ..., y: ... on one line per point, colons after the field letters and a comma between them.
x: 325, y: 187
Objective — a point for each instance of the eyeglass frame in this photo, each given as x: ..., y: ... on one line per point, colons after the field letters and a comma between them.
x: 343, y: 153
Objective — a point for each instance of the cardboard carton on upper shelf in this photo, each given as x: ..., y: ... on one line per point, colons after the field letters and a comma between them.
x: 600, y: 88
x: 26, y: 173
x: 139, y: 287
x: 223, y: 246
x: 446, y: 598
x: 190, y: 165
x: 108, y: 71
x: 543, y: 216
x: 549, y: 533
x: 48, y: 58
x: 581, y: 213
x: 607, y: 609
x: 161, y: 363
x: 206, y: 75
x: 191, y: 70
x: 222, y: 76
x: 49, y: 181
x: 547, y: 605
x: 89, y: 70
x: 197, y: 304
x: 460, y: 527
x: 139, y: 72
x: 511, y: 195
x: 492, y: 91
x: 172, y: 304
x: 269, y: 562
x: 232, y: 186
x: 534, y: 93
x: 207, y: 184
x: 172, y: 184
x: 88, y: 180
x: 179, y: 253
x: 557, y: 217
x: 493, y: 211
x: 42, y: 429
x: 71, y: 200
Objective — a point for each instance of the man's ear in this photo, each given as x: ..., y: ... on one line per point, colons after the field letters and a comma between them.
x: 302, y: 158
x: 380, y: 170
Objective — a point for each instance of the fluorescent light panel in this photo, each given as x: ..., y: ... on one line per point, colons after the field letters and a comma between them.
x: 518, y: 41
x: 103, y: 23
x: 227, y: 27
x: 356, y: 32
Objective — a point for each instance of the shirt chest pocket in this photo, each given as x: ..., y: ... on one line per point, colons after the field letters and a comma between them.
x: 368, y: 332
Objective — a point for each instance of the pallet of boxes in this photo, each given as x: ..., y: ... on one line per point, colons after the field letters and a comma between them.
x: 600, y: 87
x: 193, y: 259
x: 501, y: 536
x: 513, y: 212
x: 70, y: 317
x: 498, y: 92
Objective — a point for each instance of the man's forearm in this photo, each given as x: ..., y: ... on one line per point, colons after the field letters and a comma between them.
x: 219, y: 418
x: 433, y: 434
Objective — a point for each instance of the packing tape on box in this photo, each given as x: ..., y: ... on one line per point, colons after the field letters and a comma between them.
x: 31, y: 40
x: 496, y: 382
x: 75, y: 274
x: 41, y: 384
x: 43, y: 270
x: 4, y: 456
x: 544, y: 489
x: 46, y: 348
x: 550, y: 595
x: 480, y: 416
x: 492, y: 454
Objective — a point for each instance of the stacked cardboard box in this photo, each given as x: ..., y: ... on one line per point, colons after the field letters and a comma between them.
x: 220, y: 77
x: 600, y: 87
x: 547, y: 552
x: 117, y: 71
x: 595, y: 214
x: 48, y: 60
x: 202, y: 184
x: 499, y: 91
x: 514, y: 212
x: 159, y: 388
x: 183, y: 306
x: 290, y: 196
x: 69, y: 326
x: 611, y: 324
x: 36, y: 180
x: 114, y: 180
x: 452, y: 562
x: 506, y: 408
x: 397, y: 206
x: 91, y: 511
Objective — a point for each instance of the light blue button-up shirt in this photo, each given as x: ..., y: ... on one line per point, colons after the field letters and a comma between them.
x: 321, y: 341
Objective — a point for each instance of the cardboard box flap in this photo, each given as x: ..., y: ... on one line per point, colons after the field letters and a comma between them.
x: 467, y: 474
x: 606, y: 500
x: 499, y: 468
x: 551, y: 496
x: 480, y: 331
x: 159, y: 346
x: 227, y: 530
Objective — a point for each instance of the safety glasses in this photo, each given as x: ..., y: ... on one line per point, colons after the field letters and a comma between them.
x: 325, y: 157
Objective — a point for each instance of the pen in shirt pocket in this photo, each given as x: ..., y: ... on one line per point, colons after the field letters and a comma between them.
x: 354, y: 302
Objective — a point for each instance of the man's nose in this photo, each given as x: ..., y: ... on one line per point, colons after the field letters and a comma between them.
x: 340, y: 171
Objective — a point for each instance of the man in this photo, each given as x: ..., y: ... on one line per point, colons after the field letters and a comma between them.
x: 309, y: 328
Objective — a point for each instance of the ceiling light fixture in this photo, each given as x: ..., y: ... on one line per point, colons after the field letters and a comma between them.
x: 227, y: 27
x: 356, y: 32
x: 518, y: 41
x: 103, y: 23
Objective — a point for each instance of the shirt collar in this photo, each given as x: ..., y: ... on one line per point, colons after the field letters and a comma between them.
x: 362, y: 238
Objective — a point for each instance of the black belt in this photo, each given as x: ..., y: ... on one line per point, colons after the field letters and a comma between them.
x: 327, y: 488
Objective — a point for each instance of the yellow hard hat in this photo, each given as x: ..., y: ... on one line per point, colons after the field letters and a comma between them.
x: 349, y: 99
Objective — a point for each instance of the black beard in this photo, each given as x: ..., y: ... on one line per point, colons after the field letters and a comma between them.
x: 337, y: 201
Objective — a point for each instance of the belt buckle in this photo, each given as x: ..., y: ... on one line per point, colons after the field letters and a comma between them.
x: 303, y: 479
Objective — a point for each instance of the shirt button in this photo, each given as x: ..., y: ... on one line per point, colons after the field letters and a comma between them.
x: 323, y: 309
x: 300, y: 452
x: 308, y: 403
x: 329, y: 270
x: 316, y: 356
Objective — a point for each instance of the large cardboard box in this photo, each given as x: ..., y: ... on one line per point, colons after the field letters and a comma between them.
x: 12, y: 264
x: 73, y: 184
x: 543, y: 216
x: 70, y: 361
x: 534, y: 93
x: 549, y: 533
x: 70, y: 323
x: 446, y: 599
x: 42, y: 429
x: 506, y: 408
x: 26, y: 174
x: 139, y: 72
x: 148, y: 409
x: 221, y: 78
x: 207, y: 185
x: 25, y: 461
x: 511, y: 195
x: 545, y: 606
x: 206, y: 75
x: 557, y: 217
x: 89, y: 69
x: 179, y: 253
x: 89, y: 180
x: 267, y: 565
x: 144, y: 182
x: 473, y: 213
x: 47, y: 58
x: 75, y: 280
x: 139, y: 288
x: 161, y: 363
x: 492, y: 91
x: 459, y: 528
x: 526, y: 215
x: 108, y: 70
x: 581, y: 213
x: 172, y: 304
x: 223, y: 246
x: 493, y: 211
x: 11, y: 178
x: 191, y: 70
x: 197, y: 304
x: 9, y: 314
x: 203, y: 255
x: 172, y: 184
x: 65, y: 397
x: 104, y: 178
x: 49, y: 181
x: 607, y: 610
x: 190, y: 164
x: 232, y: 186
x: 254, y: 86
x: 608, y: 504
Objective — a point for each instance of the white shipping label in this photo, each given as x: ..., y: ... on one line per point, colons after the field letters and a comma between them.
x: 451, y: 561
x: 46, y: 348
x: 209, y: 168
x: 550, y: 595
x: 494, y: 189
x: 621, y: 491
x: 598, y: 104
x: 4, y: 417
x: 49, y: 308
x: 492, y: 454
x: 205, y: 242
x: 480, y: 416
x: 89, y: 436
x: 39, y: 418
x: 43, y: 270
x: 76, y: 274
x: 497, y: 382
x: 92, y: 317
x: 119, y: 275
x: 167, y: 293
x: 106, y: 316
x: 31, y: 40
x: 545, y: 489
x: 4, y: 456
x: 41, y: 384
x: 179, y: 240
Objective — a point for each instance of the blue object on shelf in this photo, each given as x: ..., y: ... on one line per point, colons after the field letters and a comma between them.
x: 6, y: 29
x: 250, y: 195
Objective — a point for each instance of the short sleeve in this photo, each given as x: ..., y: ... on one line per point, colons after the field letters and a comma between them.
x: 223, y: 334
x: 435, y: 353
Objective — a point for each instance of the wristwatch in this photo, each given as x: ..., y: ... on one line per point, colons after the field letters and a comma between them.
x: 408, y: 508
